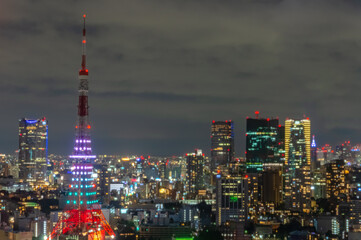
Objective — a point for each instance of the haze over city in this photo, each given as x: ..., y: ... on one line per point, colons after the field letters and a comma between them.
x: 161, y: 71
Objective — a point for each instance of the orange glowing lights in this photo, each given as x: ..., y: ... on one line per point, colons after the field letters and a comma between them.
x: 89, y: 127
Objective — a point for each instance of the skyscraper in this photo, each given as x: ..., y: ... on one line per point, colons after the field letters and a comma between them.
x: 222, y: 143
x: 261, y: 143
x: 33, y: 150
x: 298, y: 164
x: 231, y: 199
x: 272, y: 183
x: 335, y: 179
x: 314, y: 163
x: 343, y: 151
x: 195, y: 162
x: 318, y: 177
x: 103, y: 174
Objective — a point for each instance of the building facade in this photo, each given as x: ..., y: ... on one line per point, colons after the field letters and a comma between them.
x: 33, y: 150
x: 298, y: 164
x: 222, y: 143
x: 335, y: 179
x: 231, y: 199
x: 261, y: 143
x: 195, y: 162
x: 272, y: 184
x: 103, y: 175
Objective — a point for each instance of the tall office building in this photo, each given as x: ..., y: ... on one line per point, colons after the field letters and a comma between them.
x: 231, y: 199
x: 280, y: 149
x: 103, y: 173
x: 222, y: 143
x: 318, y: 177
x: 33, y: 150
x: 195, y: 162
x: 315, y: 164
x: 298, y: 164
x: 254, y: 192
x: 261, y: 143
x: 335, y: 179
x: 318, y: 184
x: 344, y: 151
x: 264, y: 153
x: 272, y: 183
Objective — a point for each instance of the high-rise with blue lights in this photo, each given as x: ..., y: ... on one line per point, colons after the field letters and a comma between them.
x: 33, y: 150
x: 262, y: 143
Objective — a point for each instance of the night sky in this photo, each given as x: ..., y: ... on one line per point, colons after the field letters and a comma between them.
x: 160, y: 71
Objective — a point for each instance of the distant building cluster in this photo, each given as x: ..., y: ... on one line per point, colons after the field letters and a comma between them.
x: 285, y: 187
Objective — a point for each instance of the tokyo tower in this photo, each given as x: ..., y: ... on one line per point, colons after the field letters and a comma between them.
x: 83, y: 219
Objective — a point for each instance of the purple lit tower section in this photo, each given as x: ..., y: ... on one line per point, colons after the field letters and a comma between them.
x: 82, y: 190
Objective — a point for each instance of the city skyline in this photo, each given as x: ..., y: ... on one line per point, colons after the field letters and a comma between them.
x: 158, y: 80
x: 191, y: 120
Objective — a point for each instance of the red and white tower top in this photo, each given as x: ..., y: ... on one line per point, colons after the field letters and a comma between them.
x: 83, y: 70
x: 82, y: 148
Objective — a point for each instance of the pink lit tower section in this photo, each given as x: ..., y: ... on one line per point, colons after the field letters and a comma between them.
x: 83, y: 218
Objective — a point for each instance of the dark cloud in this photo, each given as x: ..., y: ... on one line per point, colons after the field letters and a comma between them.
x: 160, y: 71
x: 162, y: 97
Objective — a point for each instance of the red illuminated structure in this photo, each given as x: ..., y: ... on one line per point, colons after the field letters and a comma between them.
x: 83, y: 218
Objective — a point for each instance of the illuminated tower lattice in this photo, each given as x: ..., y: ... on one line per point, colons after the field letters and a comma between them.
x: 83, y: 218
